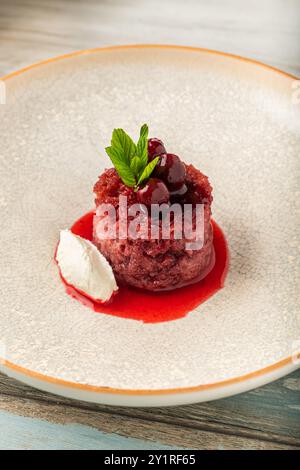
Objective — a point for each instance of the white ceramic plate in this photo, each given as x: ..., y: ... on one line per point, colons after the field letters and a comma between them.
x: 235, y: 119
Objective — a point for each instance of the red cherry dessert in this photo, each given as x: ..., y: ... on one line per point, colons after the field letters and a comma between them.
x: 155, y: 264
x: 118, y: 259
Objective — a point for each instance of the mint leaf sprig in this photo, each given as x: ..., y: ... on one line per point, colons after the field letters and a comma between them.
x: 130, y: 159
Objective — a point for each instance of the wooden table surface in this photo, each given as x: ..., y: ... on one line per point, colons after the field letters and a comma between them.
x: 268, y: 30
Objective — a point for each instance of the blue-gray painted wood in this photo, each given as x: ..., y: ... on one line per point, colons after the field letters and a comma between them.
x: 23, y: 433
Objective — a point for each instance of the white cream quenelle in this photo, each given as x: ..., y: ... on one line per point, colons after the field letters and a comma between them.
x: 84, y: 267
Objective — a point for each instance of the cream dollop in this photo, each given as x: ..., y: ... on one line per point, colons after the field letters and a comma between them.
x: 83, y: 266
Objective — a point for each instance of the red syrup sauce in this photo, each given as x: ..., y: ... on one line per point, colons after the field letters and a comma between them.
x: 155, y: 307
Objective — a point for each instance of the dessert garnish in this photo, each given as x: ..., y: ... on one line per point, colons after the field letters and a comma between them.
x: 135, y: 163
x: 84, y: 267
x: 130, y: 159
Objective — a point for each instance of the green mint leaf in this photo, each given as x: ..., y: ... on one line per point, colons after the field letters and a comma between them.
x: 144, y: 131
x: 136, y: 165
x: 142, y: 145
x: 114, y: 153
x: 148, y: 170
x: 123, y: 143
x: 126, y: 173
x: 142, y: 150
x: 130, y: 159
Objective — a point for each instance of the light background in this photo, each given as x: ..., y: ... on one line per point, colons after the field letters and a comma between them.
x: 32, y: 30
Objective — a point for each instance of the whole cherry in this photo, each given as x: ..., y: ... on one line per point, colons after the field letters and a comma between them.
x: 155, y: 148
x: 154, y: 192
x: 171, y: 170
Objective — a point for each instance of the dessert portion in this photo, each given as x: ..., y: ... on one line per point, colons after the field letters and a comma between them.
x: 83, y: 267
x: 146, y: 174
x: 114, y: 248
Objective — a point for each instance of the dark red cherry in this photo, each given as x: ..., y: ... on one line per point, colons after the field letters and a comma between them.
x: 171, y: 170
x: 177, y: 194
x: 180, y: 191
x: 154, y: 192
x: 155, y: 148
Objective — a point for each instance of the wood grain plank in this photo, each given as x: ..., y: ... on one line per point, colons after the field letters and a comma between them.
x: 26, y: 433
x: 270, y: 414
x: 134, y: 426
